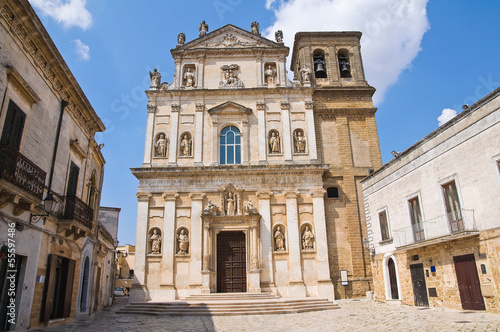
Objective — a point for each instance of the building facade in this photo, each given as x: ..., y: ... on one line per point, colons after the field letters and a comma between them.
x: 432, y: 216
x: 51, y: 172
x: 125, y: 266
x: 250, y: 181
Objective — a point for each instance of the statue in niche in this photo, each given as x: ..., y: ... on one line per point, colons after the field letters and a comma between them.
x: 279, y: 36
x: 231, y: 204
x: 300, y: 142
x: 203, y: 28
x: 279, y: 239
x: 269, y: 75
x: 189, y: 78
x: 211, y: 208
x: 274, y: 143
x: 255, y: 28
x: 186, y: 145
x: 249, y: 208
x: 307, y: 239
x: 155, y: 79
x: 161, y: 146
x: 155, y: 242
x: 231, y: 80
x: 306, y: 74
x: 183, y: 241
x: 181, y: 38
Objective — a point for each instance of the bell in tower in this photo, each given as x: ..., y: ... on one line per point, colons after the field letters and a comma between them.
x: 319, y: 66
x: 344, y: 65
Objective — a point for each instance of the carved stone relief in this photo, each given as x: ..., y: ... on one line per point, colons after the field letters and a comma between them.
x: 231, y: 203
x: 230, y: 40
x: 230, y: 77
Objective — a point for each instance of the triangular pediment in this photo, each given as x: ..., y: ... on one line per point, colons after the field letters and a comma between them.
x: 229, y: 107
x: 230, y: 37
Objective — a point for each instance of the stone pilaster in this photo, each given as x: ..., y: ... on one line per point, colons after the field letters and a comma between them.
x: 174, y: 135
x: 266, y: 236
x: 311, y: 130
x: 177, y: 74
x: 287, y: 135
x: 198, y: 141
x: 282, y: 71
x: 149, y: 135
x: 297, y: 287
x: 261, y: 113
x: 200, y: 79
x: 259, y: 71
x: 195, y: 261
x: 168, y: 250
x: 139, y: 289
x: 325, y: 285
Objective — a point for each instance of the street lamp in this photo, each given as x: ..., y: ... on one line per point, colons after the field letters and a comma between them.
x: 49, y: 204
x: 366, y: 244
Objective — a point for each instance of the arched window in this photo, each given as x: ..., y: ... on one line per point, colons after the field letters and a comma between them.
x: 319, y: 64
x: 230, y: 146
x: 344, y: 64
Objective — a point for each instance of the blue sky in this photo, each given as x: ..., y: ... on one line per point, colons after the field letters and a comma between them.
x: 422, y: 56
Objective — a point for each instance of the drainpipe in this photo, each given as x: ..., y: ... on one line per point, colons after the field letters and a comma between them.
x: 64, y: 103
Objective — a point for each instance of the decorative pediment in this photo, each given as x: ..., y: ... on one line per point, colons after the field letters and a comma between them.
x: 229, y: 107
x: 229, y: 36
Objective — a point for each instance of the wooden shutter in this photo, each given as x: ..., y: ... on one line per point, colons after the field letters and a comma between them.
x: 49, y: 287
x: 70, y: 276
x: 13, y: 126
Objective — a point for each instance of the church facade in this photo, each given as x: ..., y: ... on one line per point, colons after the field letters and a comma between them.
x: 251, y: 181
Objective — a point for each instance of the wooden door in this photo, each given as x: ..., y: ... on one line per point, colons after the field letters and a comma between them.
x: 231, y: 262
x: 393, y: 279
x: 468, y: 282
x: 419, y: 287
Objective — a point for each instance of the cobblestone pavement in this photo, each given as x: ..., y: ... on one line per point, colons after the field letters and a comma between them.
x: 354, y: 315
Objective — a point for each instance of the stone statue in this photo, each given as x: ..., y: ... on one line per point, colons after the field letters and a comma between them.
x: 203, y: 28
x: 274, y: 143
x: 186, y: 144
x: 183, y: 241
x: 210, y: 207
x: 155, y: 242
x: 279, y: 36
x: 181, y: 38
x: 307, y: 239
x: 164, y: 86
x: 300, y: 142
x: 249, y: 208
x: 255, y: 28
x: 306, y: 74
x: 279, y: 239
x: 231, y: 206
x: 269, y: 75
x: 161, y: 146
x: 155, y: 79
x: 189, y: 78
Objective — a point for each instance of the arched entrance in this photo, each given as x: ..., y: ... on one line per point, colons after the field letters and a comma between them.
x: 393, y: 280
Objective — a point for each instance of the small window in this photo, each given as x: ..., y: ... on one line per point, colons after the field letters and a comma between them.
x: 416, y: 219
x: 384, y: 225
x: 13, y: 126
x: 332, y: 192
x: 131, y: 273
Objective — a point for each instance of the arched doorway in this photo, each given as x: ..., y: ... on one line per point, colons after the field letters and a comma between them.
x: 85, y: 286
x: 393, y: 280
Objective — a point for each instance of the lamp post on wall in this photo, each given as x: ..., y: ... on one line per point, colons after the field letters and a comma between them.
x: 366, y: 244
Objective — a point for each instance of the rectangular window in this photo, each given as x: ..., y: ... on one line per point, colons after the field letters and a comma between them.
x: 13, y: 126
x: 72, y: 180
x: 416, y: 219
x: 453, y: 209
x: 384, y: 226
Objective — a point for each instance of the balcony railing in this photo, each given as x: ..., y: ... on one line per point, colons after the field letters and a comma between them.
x: 78, y: 210
x: 21, y: 172
x: 457, y: 222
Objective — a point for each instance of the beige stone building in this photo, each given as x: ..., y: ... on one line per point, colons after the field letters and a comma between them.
x: 125, y: 266
x: 250, y: 181
x: 432, y: 216
x: 51, y: 171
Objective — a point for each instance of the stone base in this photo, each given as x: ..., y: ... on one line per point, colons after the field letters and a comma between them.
x: 325, y: 289
x: 297, y: 289
x: 205, y: 282
x: 162, y: 295
x: 254, y: 282
x: 138, y: 293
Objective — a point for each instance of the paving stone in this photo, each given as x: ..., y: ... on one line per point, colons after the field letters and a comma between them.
x: 353, y: 316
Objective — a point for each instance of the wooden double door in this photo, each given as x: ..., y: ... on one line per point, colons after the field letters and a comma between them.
x: 231, y: 262
x: 468, y: 282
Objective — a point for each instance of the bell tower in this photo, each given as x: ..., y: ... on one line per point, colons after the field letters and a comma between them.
x: 329, y: 58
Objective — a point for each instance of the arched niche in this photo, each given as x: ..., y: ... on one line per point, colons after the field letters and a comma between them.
x: 182, y: 241
x: 155, y: 240
x: 160, y: 145
x: 279, y: 238
x: 307, y: 237
x: 186, y: 144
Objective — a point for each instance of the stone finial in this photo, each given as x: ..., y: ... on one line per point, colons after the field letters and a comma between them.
x: 155, y: 79
x: 181, y: 38
x: 255, y: 28
x: 279, y: 36
x: 203, y: 28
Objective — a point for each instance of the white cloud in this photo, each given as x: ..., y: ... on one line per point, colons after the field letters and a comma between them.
x: 392, y: 30
x: 82, y: 49
x: 446, y: 115
x: 68, y: 12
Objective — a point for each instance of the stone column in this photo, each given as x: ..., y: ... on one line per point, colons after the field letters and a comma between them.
x: 266, y: 238
x: 139, y: 289
x: 195, y: 243
x: 198, y: 140
x: 174, y: 133
x: 254, y: 273
x: 325, y: 285
x: 205, y: 288
x: 261, y: 113
x: 259, y: 71
x: 149, y: 135
x: 168, y: 250
x: 177, y: 74
x: 245, y: 142
x: 297, y: 287
x: 311, y: 130
x: 215, y: 141
x: 283, y: 71
x: 199, y: 82
x: 287, y: 139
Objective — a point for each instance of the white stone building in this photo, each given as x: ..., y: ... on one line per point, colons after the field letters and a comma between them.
x: 433, y: 215
x: 237, y: 163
